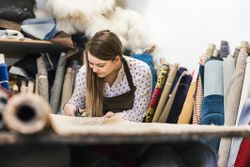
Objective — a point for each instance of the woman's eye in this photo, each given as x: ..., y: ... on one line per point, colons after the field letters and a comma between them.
x: 102, y: 65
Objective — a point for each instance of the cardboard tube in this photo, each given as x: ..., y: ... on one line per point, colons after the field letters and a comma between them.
x: 27, y: 113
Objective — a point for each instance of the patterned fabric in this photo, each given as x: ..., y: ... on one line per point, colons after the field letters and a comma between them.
x: 171, y: 97
x: 141, y: 76
x: 157, y: 93
x: 165, y: 92
x: 198, y: 98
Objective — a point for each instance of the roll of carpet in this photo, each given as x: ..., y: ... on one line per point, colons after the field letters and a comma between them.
x: 27, y: 113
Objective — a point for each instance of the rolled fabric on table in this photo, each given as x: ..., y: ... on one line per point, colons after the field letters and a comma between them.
x: 27, y: 113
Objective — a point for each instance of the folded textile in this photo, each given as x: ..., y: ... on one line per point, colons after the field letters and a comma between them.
x: 6, y: 24
x: 40, y: 28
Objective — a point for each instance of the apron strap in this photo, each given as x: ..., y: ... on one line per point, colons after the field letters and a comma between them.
x: 128, y: 74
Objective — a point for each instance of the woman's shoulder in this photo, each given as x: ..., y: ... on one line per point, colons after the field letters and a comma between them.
x: 136, y: 65
x: 81, y: 72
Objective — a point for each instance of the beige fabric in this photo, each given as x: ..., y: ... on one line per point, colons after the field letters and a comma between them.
x: 165, y: 92
x: 67, y: 87
x: 166, y: 110
x: 187, y: 109
x: 67, y: 125
x: 232, y: 99
x: 42, y: 83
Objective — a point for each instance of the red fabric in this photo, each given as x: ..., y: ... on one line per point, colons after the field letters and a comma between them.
x: 155, y: 97
x: 243, y: 157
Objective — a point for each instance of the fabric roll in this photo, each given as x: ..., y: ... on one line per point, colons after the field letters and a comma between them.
x: 213, y: 77
x: 198, y: 98
x: 201, y: 72
x: 4, y: 77
x: 179, y: 99
x: 75, y: 67
x: 236, y: 54
x: 212, y: 114
x: 30, y: 87
x: 224, y: 49
x: 236, y: 142
x: 56, y: 89
x: 147, y: 58
x: 36, y: 84
x: 233, y: 95
x: 157, y: 93
x: 213, y: 103
x: 245, y: 114
x: 167, y: 107
x: 186, y: 112
x: 242, y: 159
x: 228, y: 69
x: 242, y: 117
x: 27, y: 114
x: 67, y: 87
x: 42, y: 80
x: 245, y: 93
x: 176, y: 79
x: 165, y: 92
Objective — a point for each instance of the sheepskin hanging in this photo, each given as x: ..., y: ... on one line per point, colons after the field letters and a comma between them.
x: 90, y: 16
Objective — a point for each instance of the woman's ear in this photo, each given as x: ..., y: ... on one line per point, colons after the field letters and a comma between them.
x: 117, y: 59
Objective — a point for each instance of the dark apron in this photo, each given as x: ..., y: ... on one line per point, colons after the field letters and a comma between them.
x: 124, y: 101
x: 123, y: 155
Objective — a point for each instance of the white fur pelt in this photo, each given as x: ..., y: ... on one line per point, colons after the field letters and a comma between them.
x: 91, y: 16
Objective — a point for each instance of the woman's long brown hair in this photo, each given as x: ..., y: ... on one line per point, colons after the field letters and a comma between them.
x: 104, y: 45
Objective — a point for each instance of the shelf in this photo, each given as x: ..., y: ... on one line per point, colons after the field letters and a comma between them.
x: 51, y: 138
x: 29, y: 46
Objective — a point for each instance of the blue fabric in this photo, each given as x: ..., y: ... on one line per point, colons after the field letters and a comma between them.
x: 224, y: 49
x: 213, y: 114
x: 201, y: 73
x: 177, y: 76
x: 245, y: 114
x: 41, y: 28
x: 213, y: 77
x: 147, y: 58
x: 4, y: 78
x: 179, y: 99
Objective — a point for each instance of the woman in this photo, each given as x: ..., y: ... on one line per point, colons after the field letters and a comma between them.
x: 109, y: 83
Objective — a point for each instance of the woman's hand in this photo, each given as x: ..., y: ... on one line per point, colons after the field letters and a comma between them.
x: 69, y: 109
x: 109, y: 114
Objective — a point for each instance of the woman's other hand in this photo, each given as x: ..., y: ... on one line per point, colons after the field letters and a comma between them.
x: 109, y: 114
x: 69, y: 109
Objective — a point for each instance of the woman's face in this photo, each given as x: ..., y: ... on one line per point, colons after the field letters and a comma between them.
x: 102, y: 68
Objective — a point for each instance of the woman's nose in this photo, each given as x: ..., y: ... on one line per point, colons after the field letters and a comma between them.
x: 95, y: 69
